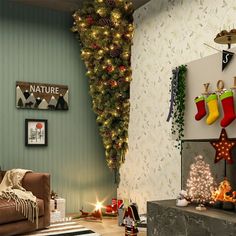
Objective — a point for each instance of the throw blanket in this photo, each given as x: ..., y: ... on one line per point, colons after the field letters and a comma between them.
x: 11, y: 189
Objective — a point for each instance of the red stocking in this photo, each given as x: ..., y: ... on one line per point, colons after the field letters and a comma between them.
x: 201, y: 110
x: 227, y: 101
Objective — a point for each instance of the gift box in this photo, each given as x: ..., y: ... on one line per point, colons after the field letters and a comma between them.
x: 61, y: 206
x: 52, y: 205
x: 55, y: 216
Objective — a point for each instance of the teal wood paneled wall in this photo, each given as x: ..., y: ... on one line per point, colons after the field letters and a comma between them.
x: 36, y: 45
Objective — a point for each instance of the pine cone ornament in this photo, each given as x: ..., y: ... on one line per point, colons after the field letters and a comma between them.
x: 105, y: 22
x: 110, y: 3
x: 115, y: 52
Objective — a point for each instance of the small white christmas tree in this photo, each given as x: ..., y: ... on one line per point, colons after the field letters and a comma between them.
x: 200, y: 183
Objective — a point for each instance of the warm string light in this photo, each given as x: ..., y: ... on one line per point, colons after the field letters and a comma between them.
x: 106, y: 31
x: 223, y: 147
x: 200, y: 183
x: 98, y: 206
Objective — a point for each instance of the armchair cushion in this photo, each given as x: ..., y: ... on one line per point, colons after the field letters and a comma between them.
x: 9, y: 213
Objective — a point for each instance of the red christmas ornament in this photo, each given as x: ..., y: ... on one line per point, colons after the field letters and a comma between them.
x: 95, y: 46
x: 122, y: 68
x: 223, y: 147
x: 113, y: 83
x: 90, y: 20
x: 110, y: 69
x: 39, y: 126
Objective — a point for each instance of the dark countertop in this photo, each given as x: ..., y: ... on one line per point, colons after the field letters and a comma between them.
x: 210, y: 212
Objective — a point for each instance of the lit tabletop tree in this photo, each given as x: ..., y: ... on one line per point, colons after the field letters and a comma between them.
x: 200, y: 183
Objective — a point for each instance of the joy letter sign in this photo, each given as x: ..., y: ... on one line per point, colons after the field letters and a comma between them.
x: 41, y: 96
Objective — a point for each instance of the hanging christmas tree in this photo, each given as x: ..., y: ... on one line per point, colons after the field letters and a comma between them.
x: 105, y: 30
x: 200, y: 183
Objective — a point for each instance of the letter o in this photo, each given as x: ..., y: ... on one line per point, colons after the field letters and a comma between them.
x: 220, y: 85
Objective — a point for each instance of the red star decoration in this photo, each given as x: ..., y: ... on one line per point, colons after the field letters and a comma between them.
x: 223, y: 147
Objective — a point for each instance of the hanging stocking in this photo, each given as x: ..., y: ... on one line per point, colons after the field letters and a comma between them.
x: 227, y: 101
x: 201, y: 110
x: 212, y: 105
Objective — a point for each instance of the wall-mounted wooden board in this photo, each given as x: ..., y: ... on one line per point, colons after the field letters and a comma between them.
x: 41, y: 96
x: 204, y: 70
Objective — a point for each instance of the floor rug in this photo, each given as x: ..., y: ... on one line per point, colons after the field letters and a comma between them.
x: 71, y: 228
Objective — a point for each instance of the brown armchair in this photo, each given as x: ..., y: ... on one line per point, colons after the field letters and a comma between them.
x: 13, y: 222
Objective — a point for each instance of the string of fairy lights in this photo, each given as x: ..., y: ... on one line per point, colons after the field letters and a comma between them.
x: 105, y: 30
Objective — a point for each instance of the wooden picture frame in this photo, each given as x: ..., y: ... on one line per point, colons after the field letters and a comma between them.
x: 36, y: 132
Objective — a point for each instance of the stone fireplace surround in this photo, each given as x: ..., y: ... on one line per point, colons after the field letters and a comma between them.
x: 165, y: 219
x: 192, y: 149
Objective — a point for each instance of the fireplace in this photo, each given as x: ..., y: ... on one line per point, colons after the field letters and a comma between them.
x: 225, y: 196
x: 164, y: 218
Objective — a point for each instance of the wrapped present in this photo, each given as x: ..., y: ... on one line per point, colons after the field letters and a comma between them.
x: 52, y: 205
x: 55, y: 216
x: 61, y: 206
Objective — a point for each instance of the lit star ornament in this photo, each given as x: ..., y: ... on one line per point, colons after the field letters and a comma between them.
x: 223, y: 147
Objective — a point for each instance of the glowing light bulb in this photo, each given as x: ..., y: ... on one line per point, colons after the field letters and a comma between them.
x: 98, y: 206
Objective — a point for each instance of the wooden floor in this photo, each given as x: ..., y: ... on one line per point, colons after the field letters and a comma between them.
x: 108, y: 227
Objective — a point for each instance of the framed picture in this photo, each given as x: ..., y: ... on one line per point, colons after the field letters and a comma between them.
x: 36, y: 132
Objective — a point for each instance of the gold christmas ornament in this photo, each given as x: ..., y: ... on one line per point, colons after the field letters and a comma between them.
x: 112, y: 47
x: 89, y: 72
x: 102, y: 11
x: 117, y: 35
x: 130, y: 27
x: 120, y: 1
x: 116, y: 14
x: 125, y: 55
x: 128, y: 79
x: 97, y: 56
x: 128, y: 35
x: 74, y: 29
x: 86, y: 56
x: 82, y: 25
x: 116, y: 23
x: 100, y: 52
x: 128, y: 6
x: 108, y: 61
x: 94, y: 34
x: 117, y: 42
x: 106, y: 33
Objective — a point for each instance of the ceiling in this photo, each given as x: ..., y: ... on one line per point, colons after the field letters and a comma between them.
x: 68, y: 5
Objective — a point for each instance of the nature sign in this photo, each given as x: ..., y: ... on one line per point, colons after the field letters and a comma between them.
x: 41, y: 96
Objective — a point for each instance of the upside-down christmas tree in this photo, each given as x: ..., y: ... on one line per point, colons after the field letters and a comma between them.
x: 105, y: 30
x: 200, y: 183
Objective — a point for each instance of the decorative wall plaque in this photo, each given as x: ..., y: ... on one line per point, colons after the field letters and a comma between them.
x: 41, y: 96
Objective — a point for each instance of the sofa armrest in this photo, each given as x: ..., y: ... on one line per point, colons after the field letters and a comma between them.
x: 39, y: 185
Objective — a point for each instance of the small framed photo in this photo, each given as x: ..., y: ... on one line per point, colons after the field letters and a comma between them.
x: 36, y: 132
